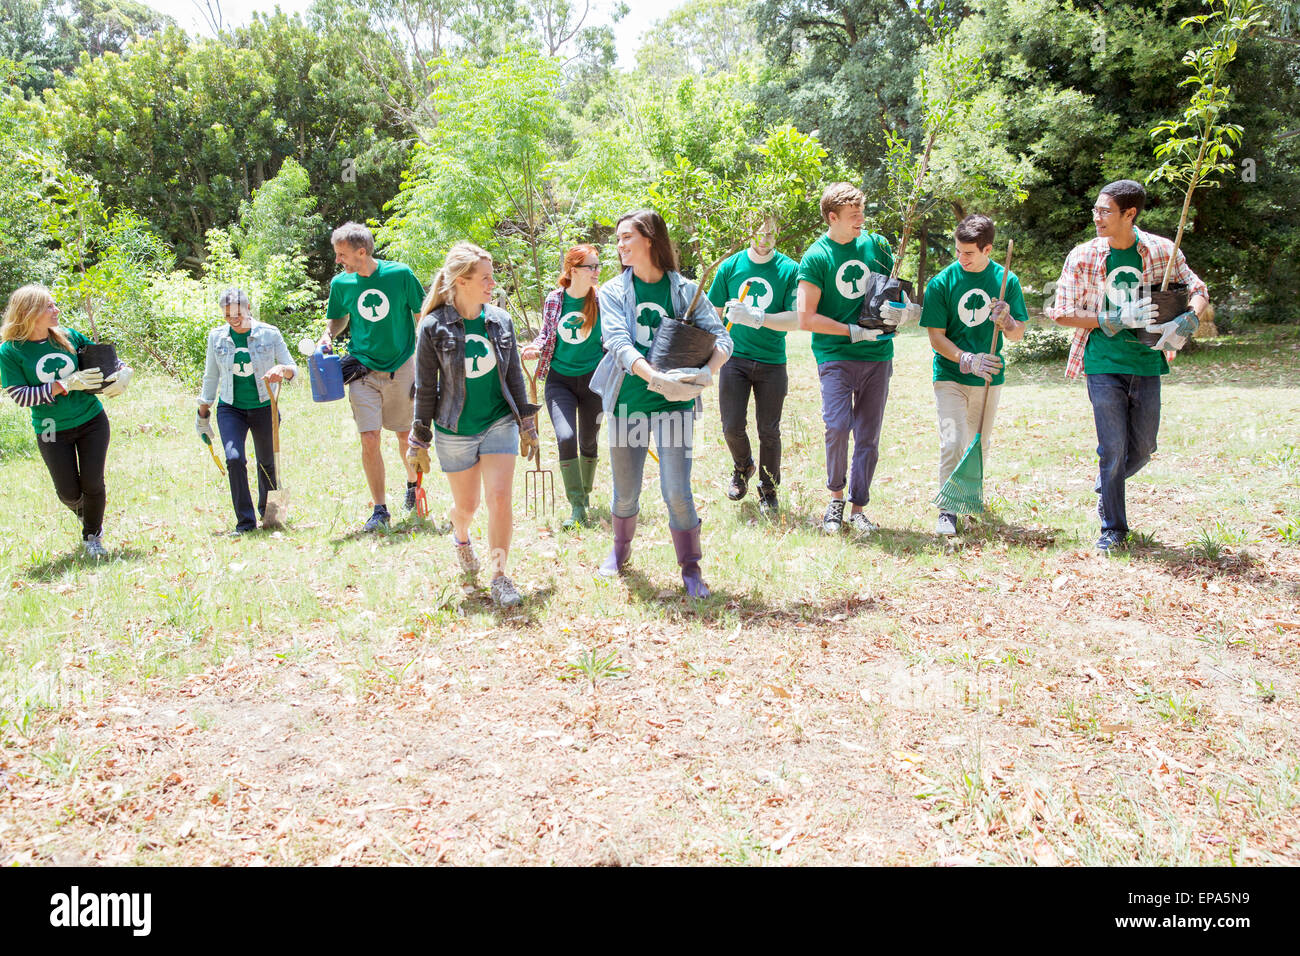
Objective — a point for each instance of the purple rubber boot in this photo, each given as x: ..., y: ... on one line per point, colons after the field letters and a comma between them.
x: 687, y: 545
x: 624, y: 531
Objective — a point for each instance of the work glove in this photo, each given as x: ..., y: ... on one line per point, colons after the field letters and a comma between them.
x: 858, y: 334
x: 896, y: 315
x: 702, y: 376
x: 675, y: 385
x: 742, y: 313
x: 1002, y: 315
x: 528, y: 444
x: 118, y: 381
x: 417, y: 455
x: 204, y: 428
x: 1130, y: 314
x: 87, y: 380
x: 1174, y: 333
x: 983, y: 364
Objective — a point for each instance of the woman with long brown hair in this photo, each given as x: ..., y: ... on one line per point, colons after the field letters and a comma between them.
x: 569, y: 349
x: 40, y: 370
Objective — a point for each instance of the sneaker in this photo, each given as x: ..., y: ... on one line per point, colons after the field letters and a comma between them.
x: 833, y: 520
x: 504, y: 592
x: 466, y: 556
x: 94, y: 547
x: 947, y: 524
x: 739, y: 483
x: 378, y: 520
x: 767, y: 503
x: 1111, y: 540
x: 862, y: 524
x: 410, y: 495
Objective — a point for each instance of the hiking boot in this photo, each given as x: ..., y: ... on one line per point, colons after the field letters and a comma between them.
x: 687, y: 546
x: 947, y: 524
x: 466, y: 557
x: 767, y: 503
x: 1111, y: 541
x: 504, y: 592
x: 571, y: 474
x: 833, y: 520
x: 862, y: 524
x: 739, y: 483
x: 378, y: 520
x: 94, y: 546
x: 411, y: 487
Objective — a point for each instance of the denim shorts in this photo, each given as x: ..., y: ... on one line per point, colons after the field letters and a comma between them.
x: 458, y: 452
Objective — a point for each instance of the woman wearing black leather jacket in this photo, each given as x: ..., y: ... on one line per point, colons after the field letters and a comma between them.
x: 470, y: 405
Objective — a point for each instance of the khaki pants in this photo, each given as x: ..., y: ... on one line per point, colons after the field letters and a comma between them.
x: 959, y: 421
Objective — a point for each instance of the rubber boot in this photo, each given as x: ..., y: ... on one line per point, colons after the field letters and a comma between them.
x: 588, y: 468
x: 624, y: 531
x: 687, y: 545
x: 573, y: 491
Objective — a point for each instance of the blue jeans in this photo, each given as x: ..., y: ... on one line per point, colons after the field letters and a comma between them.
x: 853, y: 403
x: 1126, y: 410
x: 628, y: 442
x: 235, y: 424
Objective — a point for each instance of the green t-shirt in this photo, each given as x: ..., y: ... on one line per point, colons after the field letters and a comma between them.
x: 382, y: 307
x: 840, y: 271
x: 245, y: 385
x: 485, y: 405
x: 43, y: 363
x: 961, y: 303
x: 772, y: 287
x: 576, y: 352
x: 1123, y: 353
x: 654, y: 303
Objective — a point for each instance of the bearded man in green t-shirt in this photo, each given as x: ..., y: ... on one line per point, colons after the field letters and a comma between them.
x: 381, y: 301
x: 962, y: 314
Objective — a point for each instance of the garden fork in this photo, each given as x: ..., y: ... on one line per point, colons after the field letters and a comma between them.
x: 539, y: 483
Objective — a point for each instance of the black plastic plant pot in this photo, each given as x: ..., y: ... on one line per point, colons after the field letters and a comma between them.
x: 679, y: 345
x: 881, y: 289
x: 1171, y: 302
x: 100, y: 355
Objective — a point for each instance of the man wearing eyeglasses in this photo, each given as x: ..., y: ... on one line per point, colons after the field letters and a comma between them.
x: 1106, y: 285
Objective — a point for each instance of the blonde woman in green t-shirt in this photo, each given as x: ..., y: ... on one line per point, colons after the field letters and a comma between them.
x: 39, y: 369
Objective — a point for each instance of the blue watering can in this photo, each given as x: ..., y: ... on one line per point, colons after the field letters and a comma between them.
x: 326, y: 374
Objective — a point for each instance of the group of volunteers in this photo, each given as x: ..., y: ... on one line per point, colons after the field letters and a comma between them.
x: 443, y: 370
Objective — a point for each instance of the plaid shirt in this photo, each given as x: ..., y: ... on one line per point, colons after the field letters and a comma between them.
x: 545, y: 341
x: 1082, y: 286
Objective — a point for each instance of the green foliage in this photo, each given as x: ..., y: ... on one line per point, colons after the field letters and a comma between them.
x: 280, y: 219
x: 1040, y: 344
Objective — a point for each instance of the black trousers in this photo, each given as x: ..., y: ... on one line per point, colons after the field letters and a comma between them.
x: 575, y: 414
x: 76, y: 458
x: 235, y: 424
x: 769, y: 384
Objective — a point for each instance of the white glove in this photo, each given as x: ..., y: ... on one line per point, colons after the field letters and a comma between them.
x: 1174, y: 333
x: 702, y: 376
x: 87, y: 380
x: 674, y: 385
x: 1129, y: 314
x: 118, y: 381
x: 983, y: 364
x: 742, y: 313
x: 858, y: 334
x: 897, y: 315
x: 204, y: 427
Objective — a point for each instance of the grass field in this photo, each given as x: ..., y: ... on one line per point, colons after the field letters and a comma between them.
x: 320, y: 696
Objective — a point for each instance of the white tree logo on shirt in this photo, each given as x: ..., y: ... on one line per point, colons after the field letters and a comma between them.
x: 243, y: 364
x: 646, y: 322
x: 570, y: 328
x: 54, y: 367
x: 1123, y: 285
x: 479, y: 358
x: 759, y: 294
x: 373, y: 305
x: 851, y: 279
x: 974, y: 308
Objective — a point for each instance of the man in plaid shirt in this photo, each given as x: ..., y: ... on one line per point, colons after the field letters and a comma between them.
x: 1106, y: 285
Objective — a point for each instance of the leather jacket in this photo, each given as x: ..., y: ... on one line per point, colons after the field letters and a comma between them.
x: 440, y: 368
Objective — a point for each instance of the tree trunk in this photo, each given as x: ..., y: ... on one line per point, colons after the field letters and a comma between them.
x: 920, y: 269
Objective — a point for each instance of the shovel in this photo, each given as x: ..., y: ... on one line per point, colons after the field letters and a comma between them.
x: 539, y: 483
x: 277, y: 500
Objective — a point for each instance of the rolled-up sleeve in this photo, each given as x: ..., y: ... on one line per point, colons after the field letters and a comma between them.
x: 706, y: 317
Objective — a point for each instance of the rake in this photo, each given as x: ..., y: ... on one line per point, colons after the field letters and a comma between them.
x: 539, y: 483
x: 963, y: 492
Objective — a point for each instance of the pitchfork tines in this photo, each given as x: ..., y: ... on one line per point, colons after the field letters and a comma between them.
x: 539, y: 483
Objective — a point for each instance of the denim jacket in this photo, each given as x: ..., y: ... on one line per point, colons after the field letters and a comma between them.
x: 265, y: 344
x: 618, y: 329
x: 440, y: 368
